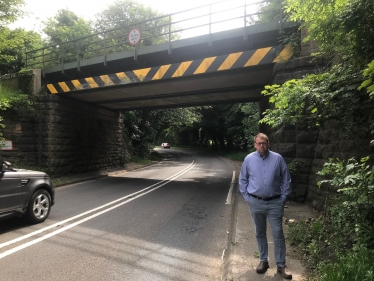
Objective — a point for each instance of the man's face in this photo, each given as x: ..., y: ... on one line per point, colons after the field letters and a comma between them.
x: 261, y: 145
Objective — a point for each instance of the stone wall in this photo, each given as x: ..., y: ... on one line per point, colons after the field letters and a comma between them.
x: 332, y: 143
x: 297, y: 146
x: 306, y: 150
x: 67, y: 137
x: 309, y: 47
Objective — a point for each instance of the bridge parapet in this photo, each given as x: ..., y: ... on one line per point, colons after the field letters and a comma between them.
x: 168, y: 32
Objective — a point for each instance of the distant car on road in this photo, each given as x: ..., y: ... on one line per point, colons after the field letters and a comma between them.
x: 165, y: 145
x: 25, y: 193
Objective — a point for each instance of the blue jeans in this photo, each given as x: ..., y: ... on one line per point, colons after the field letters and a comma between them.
x: 273, y: 211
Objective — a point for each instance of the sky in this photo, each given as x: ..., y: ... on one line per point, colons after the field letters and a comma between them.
x: 41, y: 10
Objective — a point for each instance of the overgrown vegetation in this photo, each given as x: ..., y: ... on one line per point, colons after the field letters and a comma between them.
x: 339, y: 245
x: 334, y: 242
x: 10, y: 98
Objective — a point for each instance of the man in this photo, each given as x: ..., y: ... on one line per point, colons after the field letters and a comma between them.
x: 264, y: 182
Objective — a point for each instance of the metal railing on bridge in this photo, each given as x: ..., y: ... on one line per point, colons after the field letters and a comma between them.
x: 205, y: 19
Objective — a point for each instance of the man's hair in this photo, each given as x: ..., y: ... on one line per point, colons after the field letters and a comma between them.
x: 261, y: 136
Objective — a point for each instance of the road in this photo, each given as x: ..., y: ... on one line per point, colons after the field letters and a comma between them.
x: 168, y: 221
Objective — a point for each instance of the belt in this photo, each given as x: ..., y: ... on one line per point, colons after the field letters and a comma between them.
x: 265, y: 198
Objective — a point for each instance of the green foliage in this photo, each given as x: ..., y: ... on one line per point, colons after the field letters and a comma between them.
x: 235, y: 156
x: 271, y: 10
x: 293, y: 39
x: 293, y: 167
x: 318, y: 98
x: 26, y: 82
x: 71, y: 38
x: 309, y: 237
x: 10, y: 11
x: 124, y: 13
x: 340, y: 243
x: 275, y: 10
x: 64, y: 27
x: 351, y: 213
x: 368, y: 83
x: 176, y: 126
x: 10, y: 98
x: 342, y: 28
x: 357, y: 265
x: 13, y: 44
x: 296, y: 101
x: 250, y: 123
x: 298, y: 234
x: 225, y: 127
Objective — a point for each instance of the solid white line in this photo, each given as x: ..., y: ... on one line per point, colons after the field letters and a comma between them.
x: 229, y: 195
x: 189, y: 167
x: 28, y: 244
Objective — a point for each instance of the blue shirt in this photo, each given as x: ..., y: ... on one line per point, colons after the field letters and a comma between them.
x: 264, y: 176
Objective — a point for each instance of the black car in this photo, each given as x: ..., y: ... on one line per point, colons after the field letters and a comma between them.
x: 25, y: 193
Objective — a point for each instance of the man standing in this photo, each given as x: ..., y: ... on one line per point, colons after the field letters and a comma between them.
x: 264, y: 182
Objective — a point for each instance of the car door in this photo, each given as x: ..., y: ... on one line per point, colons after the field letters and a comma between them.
x: 11, y: 195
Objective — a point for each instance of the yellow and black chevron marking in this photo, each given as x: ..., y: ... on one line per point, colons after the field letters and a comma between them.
x: 183, y: 69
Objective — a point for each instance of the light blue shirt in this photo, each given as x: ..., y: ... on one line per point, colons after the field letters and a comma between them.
x: 264, y: 177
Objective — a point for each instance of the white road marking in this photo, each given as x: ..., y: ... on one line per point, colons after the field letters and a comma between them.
x: 229, y: 196
x: 130, y: 198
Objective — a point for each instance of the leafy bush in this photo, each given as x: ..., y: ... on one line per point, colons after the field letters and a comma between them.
x: 311, y: 239
x: 341, y: 244
x: 10, y: 98
x: 350, y: 215
x: 358, y: 265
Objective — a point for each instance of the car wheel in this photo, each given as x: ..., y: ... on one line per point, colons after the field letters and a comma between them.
x: 39, y: 206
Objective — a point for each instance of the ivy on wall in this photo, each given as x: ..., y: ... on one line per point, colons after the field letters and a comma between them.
x: 26, y: 82
x: 17, y: 99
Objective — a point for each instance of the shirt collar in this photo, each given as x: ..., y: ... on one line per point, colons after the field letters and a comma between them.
x: 266, y: 154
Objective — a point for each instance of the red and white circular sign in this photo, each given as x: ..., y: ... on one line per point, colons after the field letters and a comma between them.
x: 134, y: 36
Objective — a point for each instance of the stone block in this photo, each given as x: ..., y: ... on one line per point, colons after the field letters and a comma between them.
x: 287, y: 149
x: 307, y: 136
x: 300, y: 190
x: 302, y: 178
x: 306, y: 150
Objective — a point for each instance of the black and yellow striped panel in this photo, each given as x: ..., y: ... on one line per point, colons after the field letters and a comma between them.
x: 183, y: 69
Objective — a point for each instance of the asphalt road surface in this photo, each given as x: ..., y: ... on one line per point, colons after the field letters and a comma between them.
x: 169, y: 221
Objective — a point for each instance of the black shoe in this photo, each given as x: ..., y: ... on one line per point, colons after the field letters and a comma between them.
x: 262, y: 267
x: 284, y: 272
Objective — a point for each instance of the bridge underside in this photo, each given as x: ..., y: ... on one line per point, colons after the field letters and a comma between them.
x: 241, y: 85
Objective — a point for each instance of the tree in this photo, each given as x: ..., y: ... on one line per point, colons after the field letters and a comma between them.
x: 342, y: 28
x: 177, y: 126
x: 62, y: 30
x: 124, y: 14
x: 250, y: 123
x: 272, y: 10
x: 144, y: 128
x: 337, y: 26
x: 10, y: 11
x: 13, y: 44
x: 10, y: 98
x: 65, y: 26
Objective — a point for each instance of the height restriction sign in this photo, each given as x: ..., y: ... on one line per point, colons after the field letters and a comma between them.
x: 134, y: 36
